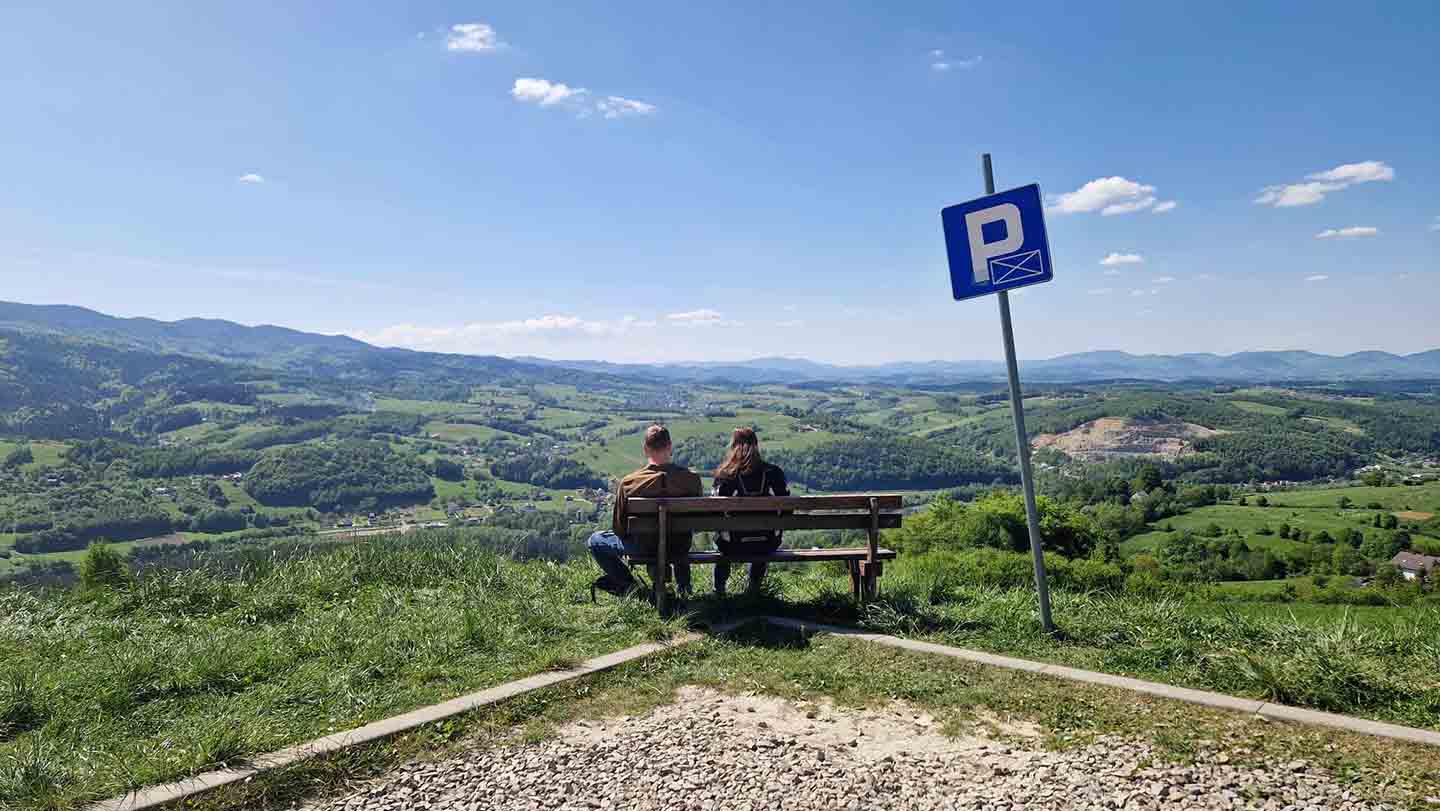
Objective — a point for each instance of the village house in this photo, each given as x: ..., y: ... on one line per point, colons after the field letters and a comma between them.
x: 1415, y: 567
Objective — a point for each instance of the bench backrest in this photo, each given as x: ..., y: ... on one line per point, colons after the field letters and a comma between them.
x: 871, y: 512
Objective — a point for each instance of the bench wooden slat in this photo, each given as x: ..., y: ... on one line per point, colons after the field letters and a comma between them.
x: 705, y: 504
x: 649, y: 525
x: 782, y: 556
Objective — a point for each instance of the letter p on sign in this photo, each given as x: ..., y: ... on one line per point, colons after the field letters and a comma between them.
x: 981, y: 251
x: 996, y: 242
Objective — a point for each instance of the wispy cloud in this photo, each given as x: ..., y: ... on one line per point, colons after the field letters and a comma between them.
x: 701, y: 318
x: 942, y: 65
x: 1110, y: 196
x: 250, y: 177
x: 1100, y: 291
x: 1435, y: 225
x: 1318, y: 184
x: 1318, y: 277
x: 618, y: 107
x: 791, y: 323
x: 1161, y: 208
x: 577, y: 99
x: 481, y: 333
x: 1111, y: 272
x: 1164, y: 279
x: 1123, y: 259
x: 472, y: 38
x: 1348, y: 233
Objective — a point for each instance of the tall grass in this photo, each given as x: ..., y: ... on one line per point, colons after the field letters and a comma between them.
x: 1386, y: 670
x: 105, y: 690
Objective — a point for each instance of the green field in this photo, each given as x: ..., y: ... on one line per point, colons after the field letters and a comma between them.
x: 46, y: 453
x: 1423, y: 497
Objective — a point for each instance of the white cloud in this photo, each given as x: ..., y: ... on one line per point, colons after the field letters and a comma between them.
x: 472, y: 38
x: 1435, y: 226
x: 1137, y: 293
x: 791, y: 324
x: 1318, y: 277
x: 1164, y: 279
x: 618, y: 107
x: 1205, y: 277
x: 1164, y: 206
x: 480, y: 335
x: 1319, y: 184
x: 1352, y: 173
x: 250, y: 177
x: 545, y: 92
x: 1111, y: 272
x: 937, y: 53
x: 577, y: 99
x: 1109, y: 196
x: 1348, y: 233
x: 700, y: 318
x: 944, y: 65
x: 1123, y: 259
x: 1101, y: 291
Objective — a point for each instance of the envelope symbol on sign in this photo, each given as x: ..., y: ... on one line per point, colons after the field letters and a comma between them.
x: 1016, y: 266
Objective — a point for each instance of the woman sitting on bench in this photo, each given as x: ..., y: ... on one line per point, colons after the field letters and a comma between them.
x: 744, y: 473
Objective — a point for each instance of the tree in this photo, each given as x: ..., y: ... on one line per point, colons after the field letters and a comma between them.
x: 1261, y: 501
x: 1343, y: 502
x: 1148, y: 479
x: 102, y: 568
x: 1345, y: 560
x: 1389, y: 521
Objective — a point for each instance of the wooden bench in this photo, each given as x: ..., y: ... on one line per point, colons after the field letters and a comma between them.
x: 863, y: 511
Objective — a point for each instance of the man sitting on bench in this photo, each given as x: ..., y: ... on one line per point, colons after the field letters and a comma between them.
x: 658, y: 479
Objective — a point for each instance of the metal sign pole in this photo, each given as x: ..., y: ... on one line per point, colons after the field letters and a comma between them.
x: 1022, y: 442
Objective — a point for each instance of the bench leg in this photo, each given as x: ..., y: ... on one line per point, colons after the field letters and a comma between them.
x: 853, y: 566
x: 869, y: 578
x: 662, y: 568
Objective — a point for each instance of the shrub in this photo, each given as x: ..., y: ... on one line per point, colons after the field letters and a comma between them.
x: 103, y: 568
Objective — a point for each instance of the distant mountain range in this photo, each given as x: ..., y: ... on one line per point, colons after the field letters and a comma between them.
x: 1074, y: 368
x: 335, y: 355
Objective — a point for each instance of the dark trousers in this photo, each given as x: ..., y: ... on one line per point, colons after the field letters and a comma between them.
x: 742, y: 547
x: 609, y: 551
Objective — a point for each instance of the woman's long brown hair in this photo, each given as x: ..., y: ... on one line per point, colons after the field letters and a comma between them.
x: 743, y: 456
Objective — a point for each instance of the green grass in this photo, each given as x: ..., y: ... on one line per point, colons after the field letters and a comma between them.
x: 1423, y: 497
x: 1249, y: 519
x: 103, y: 693
x: 47, y: 453
x: 1259, y: 408
x: 188, y: 670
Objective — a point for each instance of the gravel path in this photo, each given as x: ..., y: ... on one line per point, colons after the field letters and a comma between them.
x: 712, y: 752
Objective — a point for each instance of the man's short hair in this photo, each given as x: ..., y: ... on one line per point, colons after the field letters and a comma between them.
x: 657, y: 438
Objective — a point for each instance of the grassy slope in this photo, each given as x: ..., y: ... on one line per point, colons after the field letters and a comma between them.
x: 189, y: 671
x: 1312, y: 509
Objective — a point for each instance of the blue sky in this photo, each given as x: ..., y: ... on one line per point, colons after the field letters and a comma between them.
x: 663, y: 181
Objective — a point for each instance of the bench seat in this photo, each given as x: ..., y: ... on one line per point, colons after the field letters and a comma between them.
x: 781, y: 556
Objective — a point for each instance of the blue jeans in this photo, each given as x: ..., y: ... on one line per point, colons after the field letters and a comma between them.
x: 609, y: 549
x: 743, y: 547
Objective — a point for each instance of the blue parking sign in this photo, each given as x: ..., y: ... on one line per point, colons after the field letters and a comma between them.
x: 997, y: 242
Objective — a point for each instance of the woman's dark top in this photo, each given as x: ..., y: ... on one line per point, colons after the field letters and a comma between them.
x: 766, y: 480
